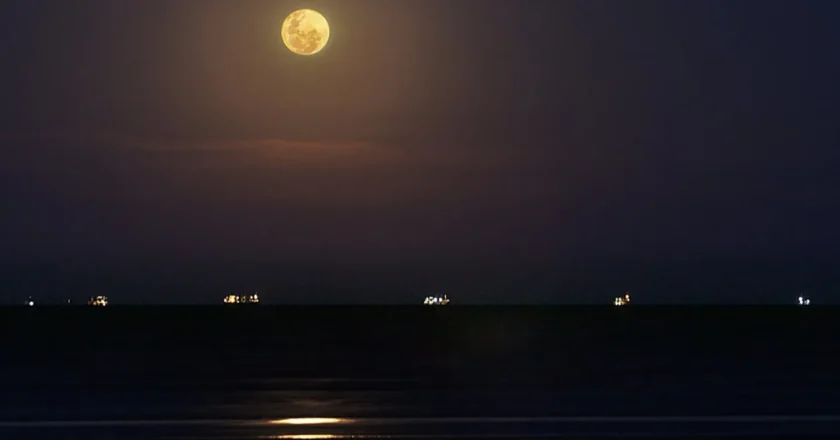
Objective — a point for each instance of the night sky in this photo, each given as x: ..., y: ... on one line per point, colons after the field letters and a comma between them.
x: 498, y: 150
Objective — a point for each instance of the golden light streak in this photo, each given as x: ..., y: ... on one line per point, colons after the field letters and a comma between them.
x: 309, y: 421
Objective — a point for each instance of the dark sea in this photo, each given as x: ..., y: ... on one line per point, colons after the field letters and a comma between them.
x: 265, y: 372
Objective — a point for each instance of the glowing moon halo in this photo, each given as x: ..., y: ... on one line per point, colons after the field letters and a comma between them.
x: 305, y: 32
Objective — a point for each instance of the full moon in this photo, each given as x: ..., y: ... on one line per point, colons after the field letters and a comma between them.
x: 306, y: 32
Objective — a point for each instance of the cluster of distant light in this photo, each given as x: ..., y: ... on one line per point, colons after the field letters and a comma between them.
x: 622, y: 301
x: 102, y: 301
x: 242, y: 299
x: 625, y: 300
x: 436, y: 300
x: 98, y: 301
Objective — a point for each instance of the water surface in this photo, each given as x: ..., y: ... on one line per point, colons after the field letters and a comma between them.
x: 414, y: 372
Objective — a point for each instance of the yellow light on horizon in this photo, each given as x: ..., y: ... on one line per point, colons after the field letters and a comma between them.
x: 306, y: 436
